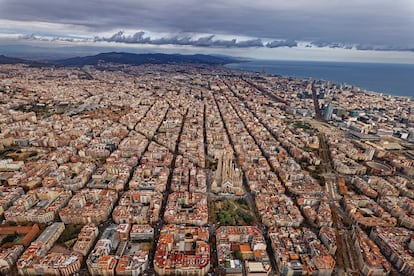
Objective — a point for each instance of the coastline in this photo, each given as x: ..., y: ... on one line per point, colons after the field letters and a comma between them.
x: 369, y: 77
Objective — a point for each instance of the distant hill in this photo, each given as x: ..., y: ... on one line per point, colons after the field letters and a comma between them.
x: 12, y: 60
x: 126, y: 58
x: 138, y: 59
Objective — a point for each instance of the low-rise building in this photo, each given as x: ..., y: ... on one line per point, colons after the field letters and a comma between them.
x: 86, y: 238
x: 187, y: 208
x: 182, y: 250
x: 95, y: 206
x: 299, y: 252
x: 36, y: 260
x: 394, y: 244
x: 239, y: 246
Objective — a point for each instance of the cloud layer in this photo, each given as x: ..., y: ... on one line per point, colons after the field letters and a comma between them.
x: 371, y: 24
x: 210, y: 41
x: 203, y: 41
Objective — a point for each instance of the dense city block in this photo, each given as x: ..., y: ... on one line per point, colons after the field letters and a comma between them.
x: 201, y: 170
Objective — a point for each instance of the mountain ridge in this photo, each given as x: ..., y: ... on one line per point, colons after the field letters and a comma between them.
x: 126, y: 58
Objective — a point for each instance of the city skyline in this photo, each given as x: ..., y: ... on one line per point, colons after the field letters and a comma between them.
x: 373, y: 31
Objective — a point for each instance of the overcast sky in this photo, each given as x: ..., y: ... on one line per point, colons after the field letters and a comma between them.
x: 256, y: 28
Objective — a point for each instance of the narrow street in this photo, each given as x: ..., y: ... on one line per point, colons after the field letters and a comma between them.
x: 248, y: 194
x: 161, y: 221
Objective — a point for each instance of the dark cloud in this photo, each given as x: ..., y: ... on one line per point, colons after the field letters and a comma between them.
x: 361, y: 47
x: 355, y: 22
x: 324, y: 44
x: 205, y: 41
x: 186, y: 40
x: 141, y: 38
x: 138, y: 37
x: 33, y: 37
x: 282, y: 43
x: 365, y: 47
x: 210, y: 41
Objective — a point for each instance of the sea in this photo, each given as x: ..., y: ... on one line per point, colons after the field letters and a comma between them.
x: 390, y: 79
